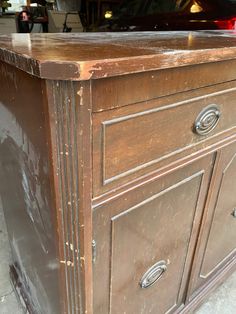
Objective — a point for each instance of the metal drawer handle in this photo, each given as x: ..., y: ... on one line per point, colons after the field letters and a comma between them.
x: 234, y: 213
x: 153, y: 274
x: 207, y: 120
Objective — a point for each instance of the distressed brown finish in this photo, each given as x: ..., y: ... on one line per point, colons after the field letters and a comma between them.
x: 109, y: 93
x: 156, y: 222
x: 164, y: 128
x: 26, y: 190
x: 110, y: 54
x: 103, y: 174
x: 46, y: 170
x: 217, y: 246
x: 69, y: 119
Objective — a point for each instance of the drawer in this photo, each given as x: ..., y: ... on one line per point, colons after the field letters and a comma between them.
x: 135, y: 140
x: 113, y: 92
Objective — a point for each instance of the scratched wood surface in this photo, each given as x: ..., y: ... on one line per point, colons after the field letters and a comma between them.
x: 95, y: 55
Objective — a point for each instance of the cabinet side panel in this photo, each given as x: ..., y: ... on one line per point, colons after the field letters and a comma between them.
x: 25, y: 188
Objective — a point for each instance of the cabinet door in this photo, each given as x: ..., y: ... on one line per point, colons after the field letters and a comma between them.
x: 145, y: 240
x: 217, y: 243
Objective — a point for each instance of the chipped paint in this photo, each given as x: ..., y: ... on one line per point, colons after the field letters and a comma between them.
x: 80, y: 92
x: 82, y: 260
x: 68, y: 263
x: 71, y: 246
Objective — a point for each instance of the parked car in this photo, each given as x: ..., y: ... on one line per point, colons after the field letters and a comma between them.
x: 165, y: 15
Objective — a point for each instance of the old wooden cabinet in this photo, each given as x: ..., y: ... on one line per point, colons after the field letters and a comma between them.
x: 118, y: 167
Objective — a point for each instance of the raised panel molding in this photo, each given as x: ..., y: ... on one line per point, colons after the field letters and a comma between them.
x: 229, y: 170
x: 120, y: 134
x: 138, y: 238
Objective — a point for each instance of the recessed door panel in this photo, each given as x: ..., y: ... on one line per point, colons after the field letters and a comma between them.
x: 157, y: 230
x: 217, y: 240
x: 222, y: 237
x: 145, y: 241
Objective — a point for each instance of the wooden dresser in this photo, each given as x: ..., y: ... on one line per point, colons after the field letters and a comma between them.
x: 118, y: 169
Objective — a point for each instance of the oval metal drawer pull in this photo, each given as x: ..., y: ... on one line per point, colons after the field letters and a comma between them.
x: 207, y: 120
x: 234, y: 213
x: 153, y: 274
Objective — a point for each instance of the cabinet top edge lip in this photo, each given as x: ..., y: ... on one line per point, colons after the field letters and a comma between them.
x: 85, y: 56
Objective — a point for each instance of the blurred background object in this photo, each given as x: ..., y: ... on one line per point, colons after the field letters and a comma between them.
x: 170, y: 15
x: 69, y: 5
x: 4, y: 5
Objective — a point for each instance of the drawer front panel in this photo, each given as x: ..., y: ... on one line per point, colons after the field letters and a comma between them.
x: 128, y: 141
x: 145, y: 243
x: 124, y: 90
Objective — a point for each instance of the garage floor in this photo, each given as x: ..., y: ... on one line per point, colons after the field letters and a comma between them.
x: 222, y: 301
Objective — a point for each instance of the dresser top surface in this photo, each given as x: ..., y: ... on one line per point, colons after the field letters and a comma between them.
x: 84, y: 56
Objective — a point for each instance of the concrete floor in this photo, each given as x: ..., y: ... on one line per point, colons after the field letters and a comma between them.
x: 8, y: 301
x: 222, y: 301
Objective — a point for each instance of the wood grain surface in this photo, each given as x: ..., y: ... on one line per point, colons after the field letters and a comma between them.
x: 96, y: 55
